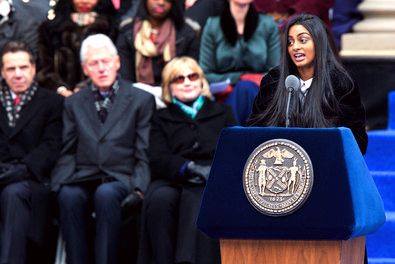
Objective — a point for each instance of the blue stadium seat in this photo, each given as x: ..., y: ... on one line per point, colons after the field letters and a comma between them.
x: 380, y: 158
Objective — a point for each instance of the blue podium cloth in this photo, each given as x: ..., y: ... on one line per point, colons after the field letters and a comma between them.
x: 391, y: 111
x: 344, y: 201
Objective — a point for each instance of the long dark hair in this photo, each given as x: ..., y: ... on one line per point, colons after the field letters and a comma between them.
x: 321, y: 106
x: 229, y: 28
x: 176, y: 13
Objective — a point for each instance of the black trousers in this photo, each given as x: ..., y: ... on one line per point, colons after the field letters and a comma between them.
x: 15, y: 202
x: 171, y: 214
x: 76, y: 203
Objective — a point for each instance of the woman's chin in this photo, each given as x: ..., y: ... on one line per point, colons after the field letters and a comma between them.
x: 188, y: 99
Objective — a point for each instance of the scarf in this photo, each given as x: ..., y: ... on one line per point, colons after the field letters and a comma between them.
x: 103, y: 103
x: 190, y: 111
x: 147, y: 47
x: 83, y: 19
x: 12, y: 110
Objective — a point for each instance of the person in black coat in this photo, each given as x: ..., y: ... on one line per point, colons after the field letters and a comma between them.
x: 182, y: 145
x: 20, y: 19
x: 30, y: 141
x: 345, y: 16
x: 157, y: 34
x: 104, y: 155
x: 328, y: 97
x: 60, y: 41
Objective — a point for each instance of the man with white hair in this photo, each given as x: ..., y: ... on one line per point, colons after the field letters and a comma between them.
x: 105, y: 139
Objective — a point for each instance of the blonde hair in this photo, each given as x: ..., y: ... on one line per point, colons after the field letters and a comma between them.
x: 173, y: 69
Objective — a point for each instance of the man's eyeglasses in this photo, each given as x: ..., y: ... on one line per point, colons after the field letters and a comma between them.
x: 181, y: 78
x: 106, y: 64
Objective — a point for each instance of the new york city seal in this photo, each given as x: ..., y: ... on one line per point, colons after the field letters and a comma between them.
x: 278, y: 177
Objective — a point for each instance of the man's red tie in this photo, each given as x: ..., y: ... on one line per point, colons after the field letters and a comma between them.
x: 17, y: 100
x: 117, y: 4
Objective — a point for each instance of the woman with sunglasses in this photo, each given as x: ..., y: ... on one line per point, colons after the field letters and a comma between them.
x: 182, y: 143
x: 328, y: 96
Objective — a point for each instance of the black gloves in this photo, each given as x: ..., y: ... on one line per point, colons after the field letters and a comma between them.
x: 197, y: 174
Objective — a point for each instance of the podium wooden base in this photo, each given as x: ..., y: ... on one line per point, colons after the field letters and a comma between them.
x: 293, y: 251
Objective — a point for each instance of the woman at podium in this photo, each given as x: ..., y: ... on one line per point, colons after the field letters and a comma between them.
x: 326, y: 95
x: 182, y: 144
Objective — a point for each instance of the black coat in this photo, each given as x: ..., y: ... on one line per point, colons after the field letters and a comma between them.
x: 59, y: 50
x: 36, y: 139
x: 176, y: 138
x: 117, y: 148
x: 187, y: 44
x: 352, y: 112
x: 36, y: 142
x: 23, y: 23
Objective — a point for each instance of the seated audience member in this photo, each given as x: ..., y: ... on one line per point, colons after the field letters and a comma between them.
x: 345, y: 16
x: 30, y: 141
x: 239, y: 46
x: 156, y: 35
x: 105, y: 138
x: 60, y: 40
x: 281, y: 10
x: 200, y: 10
x: 182, y: 143
x: 328, y: 97
x: 19, y: 21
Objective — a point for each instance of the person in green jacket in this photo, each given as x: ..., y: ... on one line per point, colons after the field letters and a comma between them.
x: 238, y: 48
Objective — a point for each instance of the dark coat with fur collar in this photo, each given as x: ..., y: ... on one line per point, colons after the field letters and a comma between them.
x: 59, y: 48
x: 224, y: 54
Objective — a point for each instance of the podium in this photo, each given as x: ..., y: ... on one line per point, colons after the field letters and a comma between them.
x: 342, y: 207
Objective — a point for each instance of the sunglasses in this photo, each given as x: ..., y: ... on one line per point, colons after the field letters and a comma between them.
x: 181, y: 78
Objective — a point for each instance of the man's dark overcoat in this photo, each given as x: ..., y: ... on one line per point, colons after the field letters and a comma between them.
x: 117, y: 148
x: 36, y: 142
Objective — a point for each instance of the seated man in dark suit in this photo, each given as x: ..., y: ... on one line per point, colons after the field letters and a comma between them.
x: 30, y: 141
x: 105, y: 139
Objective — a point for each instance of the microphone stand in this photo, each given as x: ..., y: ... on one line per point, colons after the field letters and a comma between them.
x: 290, y: 91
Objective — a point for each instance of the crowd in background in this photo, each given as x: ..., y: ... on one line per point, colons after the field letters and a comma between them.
x: 54, y: 30
x: 218, y: 50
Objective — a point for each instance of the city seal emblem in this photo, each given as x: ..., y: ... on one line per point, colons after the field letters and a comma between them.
x: 278, y: 177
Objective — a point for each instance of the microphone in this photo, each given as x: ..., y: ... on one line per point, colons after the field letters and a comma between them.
x: 292, y: 84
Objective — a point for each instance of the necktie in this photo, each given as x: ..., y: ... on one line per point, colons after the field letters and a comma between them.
x: 117, y: 4
x: 17, y: 100
x: 302, y: 93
